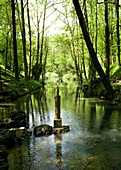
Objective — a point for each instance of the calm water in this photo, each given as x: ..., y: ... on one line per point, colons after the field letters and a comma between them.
x: 93, y: 143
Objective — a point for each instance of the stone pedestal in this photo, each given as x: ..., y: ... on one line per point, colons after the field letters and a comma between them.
x: 57, y: 119
x: 58, y: 123
x: 58, y: 128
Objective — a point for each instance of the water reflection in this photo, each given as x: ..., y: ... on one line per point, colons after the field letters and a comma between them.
x: 105, y: 123
x: 92, y: 118
x: 78, y: 95
x: 19, y: 157
x: 98, y: 115
x: 35, y: 106
x: 58, y: 142
x: 5, y: 110
x: 95, y: 131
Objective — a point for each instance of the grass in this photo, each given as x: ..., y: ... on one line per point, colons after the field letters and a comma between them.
x: 14, y: 88
x: 24, y: 86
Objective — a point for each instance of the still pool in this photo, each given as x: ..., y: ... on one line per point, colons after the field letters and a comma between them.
x: 93, y: 142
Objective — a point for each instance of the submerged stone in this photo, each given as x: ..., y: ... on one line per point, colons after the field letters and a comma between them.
x: 43, y: 130
x: 63, y: 129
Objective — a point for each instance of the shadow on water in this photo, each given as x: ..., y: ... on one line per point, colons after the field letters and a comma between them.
x: 93, y: 141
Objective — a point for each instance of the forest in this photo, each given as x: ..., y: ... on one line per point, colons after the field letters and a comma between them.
x: 78, y: 40
x: 60, y: 84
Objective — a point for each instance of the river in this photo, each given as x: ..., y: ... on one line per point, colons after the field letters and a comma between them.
x: 93, y: 142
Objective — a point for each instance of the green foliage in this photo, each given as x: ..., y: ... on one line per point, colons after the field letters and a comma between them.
x: 23, y: 86
x: 65, y: 49
x: 115, y: 72
x: 59, y: 58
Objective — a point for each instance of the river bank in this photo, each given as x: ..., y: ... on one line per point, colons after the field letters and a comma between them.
x: 12, y: 89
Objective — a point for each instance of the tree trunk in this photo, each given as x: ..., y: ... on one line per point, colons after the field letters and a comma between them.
x: 24, y: 41
x: 38, y: 33
x: 6, y: 52
x: 85, y: 12
x: 107, y: 40
x: 10, y: 58
x: 38, y: 45
x: 42, y: 39
x: 93, y: 56
x: 83, y: 61
x: 45, y: 59
x: 117, y: 30
x: 7, y: 39
x: 96, y: 29
x: 30, y: 39
x: 14, y: 41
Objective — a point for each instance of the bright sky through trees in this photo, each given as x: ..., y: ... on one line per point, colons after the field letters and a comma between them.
x: 53, y: 21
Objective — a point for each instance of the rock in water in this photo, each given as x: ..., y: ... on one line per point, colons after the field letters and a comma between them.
x: 43, y: 130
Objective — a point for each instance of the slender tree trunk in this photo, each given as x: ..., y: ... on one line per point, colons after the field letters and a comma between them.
x: 118, y: 33
x: 10, y: 58
x: 38, y: 44
x: 43, y: 31
x: 93, y: 56
x: 83, y: 61
x: 80, y: 78
x: 73, y: 50
x: 30, y: 39
x: 19, y: 18
x: 42, y: 39
x: 38, y: 34
x: 107, y: 39
x: 112, y: 37
x: 14, y: 41
x: 6, y: 52
x: 24, y: 41
x: 45, y: 59
x: 74, y: 57
x: 92, y: 68
x: 92, y: 71
x: 96, y: 29
x: 7, y: 39
x: 85, y: 12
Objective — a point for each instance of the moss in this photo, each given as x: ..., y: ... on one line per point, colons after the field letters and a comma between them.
x: 20, y: 88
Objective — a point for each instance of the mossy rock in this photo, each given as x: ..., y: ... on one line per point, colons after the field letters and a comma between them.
x: 10, y: 137
x: 43, y: 130
x: 3, y: 152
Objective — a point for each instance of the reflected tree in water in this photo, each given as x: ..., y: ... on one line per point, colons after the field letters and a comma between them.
x: 92, y: 118
x: 41, y: 101
x: 35, y: 106
x: 5, y: 111
x: 32, y: 112
x: 106, y: 120
x: 78, y: 95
